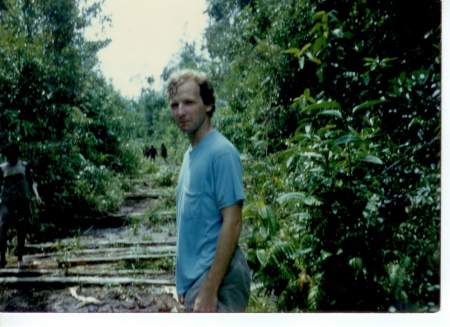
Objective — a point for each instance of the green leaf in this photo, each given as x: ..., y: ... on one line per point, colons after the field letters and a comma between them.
x: 309, y: 150
x: 338, y: 33
x: 335, y: 207
x: 262, y: 256
x: 324, y: 254
x: 336, y: 113
x: 333, y: 16
x: 368, y: 104
x: 311, y: 154
x: 289, y: 161
x: 294, y: 51
x: 385, y: 60
x: 318, y: 44
x: 302, y: 62
x: 263, y: 214
x: 309, y: 55
x: 318, y: 15
x: 316, y: 60
x: 307, y: 93
x: 263, y: 230
x: 305, y: 47
x: 328, y: 182
x: 355, y: 263
x: 247, y: 209
x: 300, y: 216
x: 313, y: 201
x: 283, y: 156
x: 316, y: 27
x: 294, y: 197
x: 349, y: 138
x: 272, y: 221
x: 301, y: 252
x: 371, y: 159
x: 329, y: 104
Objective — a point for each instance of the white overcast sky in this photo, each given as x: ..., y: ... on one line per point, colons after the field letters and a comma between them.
x: 145, y: 35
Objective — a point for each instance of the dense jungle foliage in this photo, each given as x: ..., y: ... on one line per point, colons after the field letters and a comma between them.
x: 335, y: 107
x: 73, y: 128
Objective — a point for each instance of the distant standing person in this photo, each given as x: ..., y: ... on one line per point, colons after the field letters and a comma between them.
x: 164, y: 152
x: 212, y: 274
x: 16, y: 183
x: 152, y: 152
x: 146, y: 152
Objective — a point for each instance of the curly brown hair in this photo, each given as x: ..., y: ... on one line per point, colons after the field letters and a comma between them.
x: 201, y: 78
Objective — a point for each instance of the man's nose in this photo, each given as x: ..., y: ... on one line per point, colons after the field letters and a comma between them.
x: 181, y: 109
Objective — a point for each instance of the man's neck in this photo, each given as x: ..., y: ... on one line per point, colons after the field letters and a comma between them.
x: 199, y: 134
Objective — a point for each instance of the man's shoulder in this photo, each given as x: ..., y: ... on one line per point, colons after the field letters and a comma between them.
x: 25, y: 165
x: 213, y: 147
x: 222, y: 143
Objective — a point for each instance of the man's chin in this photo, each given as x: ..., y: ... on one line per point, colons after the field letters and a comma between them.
x: 186, y: 129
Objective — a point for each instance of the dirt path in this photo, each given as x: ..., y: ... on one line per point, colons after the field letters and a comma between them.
x: 129, y: 268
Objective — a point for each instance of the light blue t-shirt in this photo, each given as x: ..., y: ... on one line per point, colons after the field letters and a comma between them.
x: 210, y: 180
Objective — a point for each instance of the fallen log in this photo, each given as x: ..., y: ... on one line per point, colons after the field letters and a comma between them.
x: 75, y: 252
x: 85, y: 281
x: 166, y: 213
x: 101, y: 222
x: 143, y: 196
x: 98, y: 260
x: 80, y: 243
x: 14, y: 272
x: 123, y: 215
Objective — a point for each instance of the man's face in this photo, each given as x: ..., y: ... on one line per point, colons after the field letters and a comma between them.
x: 188, y: 109
x: 12, y: 157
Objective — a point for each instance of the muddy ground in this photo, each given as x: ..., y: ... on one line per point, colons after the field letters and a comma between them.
x: 127, y: 298
x: 129, y: 268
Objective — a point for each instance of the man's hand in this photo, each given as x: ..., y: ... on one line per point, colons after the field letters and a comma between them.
x: 206, y: 301
x: 181, y: 299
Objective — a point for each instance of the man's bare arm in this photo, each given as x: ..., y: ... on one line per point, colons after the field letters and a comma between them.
x: 206, y: 300
x: 36, y: 193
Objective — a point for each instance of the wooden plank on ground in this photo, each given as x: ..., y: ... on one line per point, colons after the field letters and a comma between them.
x: 143, y: 196
x: 14, y: 272
x: 98, y: 260
x: 80, y: 243
x: 127, y: 215
x: 117, y: 251
x: 84, y: 280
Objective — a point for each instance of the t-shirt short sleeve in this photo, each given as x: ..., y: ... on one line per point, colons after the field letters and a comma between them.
x: 228, y: 179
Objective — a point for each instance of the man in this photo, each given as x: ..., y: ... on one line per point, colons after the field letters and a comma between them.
x: 16, y: 181
x: 164, y: 152
x: 212, y: 274
x: 152, y: 153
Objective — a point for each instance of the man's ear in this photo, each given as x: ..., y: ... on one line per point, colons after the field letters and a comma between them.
x: 209, y: 107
